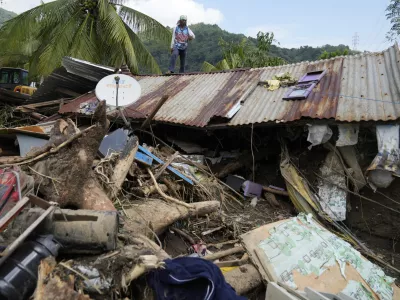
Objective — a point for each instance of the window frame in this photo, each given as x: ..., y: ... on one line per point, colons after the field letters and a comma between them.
x: 308, y: 85
x: 308, y: 90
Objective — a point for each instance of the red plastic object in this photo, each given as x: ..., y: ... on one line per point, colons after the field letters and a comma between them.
x: 8, y: 191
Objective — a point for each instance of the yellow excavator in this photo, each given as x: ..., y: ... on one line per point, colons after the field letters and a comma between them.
x: 16, y: 80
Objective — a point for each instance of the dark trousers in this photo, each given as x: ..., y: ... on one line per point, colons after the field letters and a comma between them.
x: 174, y: 57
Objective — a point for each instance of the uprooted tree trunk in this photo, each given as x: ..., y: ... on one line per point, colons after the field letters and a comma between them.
x: 66, y: 176
x: 158, y: 215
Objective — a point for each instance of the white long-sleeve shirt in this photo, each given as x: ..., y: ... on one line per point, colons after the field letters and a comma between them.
x: 180, y: 37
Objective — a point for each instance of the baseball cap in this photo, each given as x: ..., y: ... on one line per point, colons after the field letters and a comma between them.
x: 183, y: 17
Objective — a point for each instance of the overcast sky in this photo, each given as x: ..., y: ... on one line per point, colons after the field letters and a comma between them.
x: 295, y: 23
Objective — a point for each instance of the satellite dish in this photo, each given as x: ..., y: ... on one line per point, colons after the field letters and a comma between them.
x: 129, y: 90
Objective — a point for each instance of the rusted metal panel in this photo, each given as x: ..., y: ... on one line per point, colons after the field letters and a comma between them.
x: 364, y: 87
x: 355, y: 88
x: 150, y: 97
x: 194, y: 99
x: 267, y: 106
x: 75, y: 105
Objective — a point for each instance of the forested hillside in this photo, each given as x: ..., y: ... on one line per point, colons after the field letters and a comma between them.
x: 205, y: 48
x: 6, y: 15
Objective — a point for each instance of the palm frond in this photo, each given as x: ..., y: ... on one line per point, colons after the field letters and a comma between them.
x: 207, y: 67
x: 223, y: 65
x: 59, y: 45
x: 84, y: 45
x: 114, y: 27
x: 143, y: 55
x: 25, y: 25
x: 145, y: 25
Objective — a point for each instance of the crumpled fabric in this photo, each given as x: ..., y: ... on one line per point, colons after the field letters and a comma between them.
x: 318, y: 134
x: 386, y: 164
x: 190, y: 278
x: 348, y: 135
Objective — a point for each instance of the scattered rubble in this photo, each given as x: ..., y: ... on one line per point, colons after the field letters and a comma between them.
x: 239, y: 210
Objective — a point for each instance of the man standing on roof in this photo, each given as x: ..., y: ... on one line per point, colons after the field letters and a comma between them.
x: 180, y: 38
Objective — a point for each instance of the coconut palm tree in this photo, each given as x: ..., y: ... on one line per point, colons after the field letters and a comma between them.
x: 100, y: 31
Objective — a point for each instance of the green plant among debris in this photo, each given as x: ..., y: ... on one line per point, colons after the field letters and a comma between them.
x: 242, y: 55
x: 8, y: 118
x: 99, y: 31
x: 327, y: 55
x: 285, y: 79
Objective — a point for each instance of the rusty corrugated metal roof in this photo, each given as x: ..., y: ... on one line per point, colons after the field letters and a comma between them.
x: 267, y: 106
x: 364, y: 87
x: 193, y: 99
x: 355, y: 88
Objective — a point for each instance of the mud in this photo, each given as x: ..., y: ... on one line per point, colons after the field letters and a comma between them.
x: 71, y: 165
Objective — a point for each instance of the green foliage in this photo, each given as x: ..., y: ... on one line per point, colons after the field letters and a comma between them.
x: 243, y: 55
x: 206, y: 48
x: 101, y: 31
x: 6, y: 15
x: 327, y: 55
x: 393, y: 15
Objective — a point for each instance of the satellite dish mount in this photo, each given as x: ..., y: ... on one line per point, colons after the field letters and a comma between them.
x: 119, y: 91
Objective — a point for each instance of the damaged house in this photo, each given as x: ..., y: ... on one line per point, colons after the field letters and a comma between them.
x: 321, y: 137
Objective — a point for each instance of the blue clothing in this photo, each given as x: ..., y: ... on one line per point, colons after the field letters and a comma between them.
x: 190, y: 278
x: 182, y: 55
x: 180, y: 37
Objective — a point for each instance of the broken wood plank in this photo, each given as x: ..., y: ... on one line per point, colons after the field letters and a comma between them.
x: 160, y: 103
x: 12, y: 213
x: 274, y: 191
x: 166, y: 165
x: 11, y: 248
x: 233, y: 263
x: 33, y: 106
x: 224, y: 253
x: 211, y: 230
x: 125, y: 161
x: 144, y: 159
x: 176, y: 172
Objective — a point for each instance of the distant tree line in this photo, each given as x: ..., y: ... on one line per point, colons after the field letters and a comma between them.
x: 212, y: 42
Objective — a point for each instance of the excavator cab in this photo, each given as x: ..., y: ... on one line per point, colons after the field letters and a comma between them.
x: 10, y: 78
x: 16, y: 80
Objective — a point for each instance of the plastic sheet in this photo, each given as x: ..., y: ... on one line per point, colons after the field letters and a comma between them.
x: 318, y: 134
x: 348, y: 134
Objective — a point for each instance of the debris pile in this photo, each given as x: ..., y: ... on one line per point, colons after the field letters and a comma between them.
x: 98, y: 207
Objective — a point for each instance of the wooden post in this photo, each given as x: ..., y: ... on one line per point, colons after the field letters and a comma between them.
x: 125, y: 162
x: 154, y: 112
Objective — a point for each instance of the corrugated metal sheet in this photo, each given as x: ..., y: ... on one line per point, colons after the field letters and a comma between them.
x: 86, y: 69
x: 267, y: 106
x: 73, y: 78
x: 355, y: 88
x: 364, y: 87
x: 62, y: 84
x: 75, y: 105
x: 370, y: 88
x: 194, y: 99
